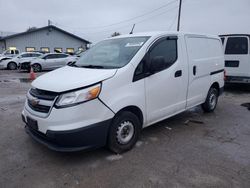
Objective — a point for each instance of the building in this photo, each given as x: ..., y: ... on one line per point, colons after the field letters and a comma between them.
x: 47, y: 39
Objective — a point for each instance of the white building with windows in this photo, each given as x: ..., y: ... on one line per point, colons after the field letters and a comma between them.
x: 46, y: 39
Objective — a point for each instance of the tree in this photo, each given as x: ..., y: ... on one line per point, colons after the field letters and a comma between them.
x: 115, y: 34
x: 31, y: 28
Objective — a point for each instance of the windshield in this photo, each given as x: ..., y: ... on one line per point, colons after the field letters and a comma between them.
x: 113, y: 53
x: 42, y: 56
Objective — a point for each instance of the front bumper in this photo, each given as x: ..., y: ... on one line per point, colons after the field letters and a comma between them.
x: 79, y: 127
x: 24, y: 66
x: 93, y: 136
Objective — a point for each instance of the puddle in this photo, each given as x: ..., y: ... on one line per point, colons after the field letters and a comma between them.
x: 247, y: 105
x: 16, y: 80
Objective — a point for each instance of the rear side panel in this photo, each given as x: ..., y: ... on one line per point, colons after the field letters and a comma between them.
x: 206, y: 66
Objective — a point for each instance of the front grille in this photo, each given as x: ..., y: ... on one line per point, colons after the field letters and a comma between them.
x: 38, y: 107
x: 42, y: 94
x: 25, y: 66
x: 40, y: 101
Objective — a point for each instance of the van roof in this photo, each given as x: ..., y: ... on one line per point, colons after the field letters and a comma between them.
x: 159, y: 33
x: 231, y: 35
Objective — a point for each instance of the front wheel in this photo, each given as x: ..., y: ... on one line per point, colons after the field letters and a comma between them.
x: 124, y: 132
x: 12, y: 66
x: 211, y: 100
x: 37, y: 68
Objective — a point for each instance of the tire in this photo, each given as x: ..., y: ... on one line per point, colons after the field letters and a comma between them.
x: 37, y: 67
x: 211, y: 101
x: 124, y: 132
x: 12, y: 66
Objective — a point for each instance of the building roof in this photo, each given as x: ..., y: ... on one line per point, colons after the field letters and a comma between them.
x: 42, y: 28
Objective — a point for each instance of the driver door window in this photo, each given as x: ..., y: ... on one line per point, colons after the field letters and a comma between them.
x: 167, y: 49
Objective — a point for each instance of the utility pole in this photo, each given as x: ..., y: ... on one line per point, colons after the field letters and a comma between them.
x: 179, y: 16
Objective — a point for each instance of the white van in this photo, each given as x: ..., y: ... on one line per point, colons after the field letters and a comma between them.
x: 237, y: 58
x: 122, y: 85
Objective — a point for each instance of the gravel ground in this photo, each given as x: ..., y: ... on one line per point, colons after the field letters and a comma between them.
x: 192, y: 149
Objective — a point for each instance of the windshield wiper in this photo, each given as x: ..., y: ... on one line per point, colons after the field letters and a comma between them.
x: 93, y: 66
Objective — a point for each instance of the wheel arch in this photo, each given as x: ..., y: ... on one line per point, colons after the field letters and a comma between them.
x: 135, y: 110
x: 216, y: 86
x: 12, y: 62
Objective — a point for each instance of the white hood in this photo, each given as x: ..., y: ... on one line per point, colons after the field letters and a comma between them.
x: 68, y: 78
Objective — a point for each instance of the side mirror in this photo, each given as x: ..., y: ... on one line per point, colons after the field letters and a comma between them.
x: 157, y: 64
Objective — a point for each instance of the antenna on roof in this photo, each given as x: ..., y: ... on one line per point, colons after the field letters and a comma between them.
x: 49, y: 22
x: 131, y: 32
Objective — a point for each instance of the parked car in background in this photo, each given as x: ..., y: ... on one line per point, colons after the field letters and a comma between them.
x: 20, y: 61
x: 4, y: 61
x: 237, y: 57
x: 23, y: 60
x: 52, y: 61
x: 122, y: 85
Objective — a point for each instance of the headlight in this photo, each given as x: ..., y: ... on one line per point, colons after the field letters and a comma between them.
x: 79, y: 96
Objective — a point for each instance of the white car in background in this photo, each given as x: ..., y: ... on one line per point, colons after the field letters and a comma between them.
x: 12, y: 63
x: 24, y: 59
x: 52, y: 61
x: 4, y: 61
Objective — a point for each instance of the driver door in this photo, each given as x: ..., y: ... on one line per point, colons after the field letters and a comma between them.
x: 166, y: 89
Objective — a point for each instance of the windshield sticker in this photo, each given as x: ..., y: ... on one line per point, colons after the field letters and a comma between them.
x: 134, y: 44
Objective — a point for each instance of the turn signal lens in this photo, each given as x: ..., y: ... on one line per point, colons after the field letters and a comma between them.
x: 93, y: 93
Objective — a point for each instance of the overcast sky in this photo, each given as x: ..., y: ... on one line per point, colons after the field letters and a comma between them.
x: 97, y: 19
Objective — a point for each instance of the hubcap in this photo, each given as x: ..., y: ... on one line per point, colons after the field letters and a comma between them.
x: 12, y: 66
x: 212, y: 100
x: 36, y: 68
x: 125, y: 132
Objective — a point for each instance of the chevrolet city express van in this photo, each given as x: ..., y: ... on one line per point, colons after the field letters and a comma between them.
x: 122, y: 85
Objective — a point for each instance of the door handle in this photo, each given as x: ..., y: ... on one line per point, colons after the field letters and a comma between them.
x: 178, y: 73
x: 194, y: 70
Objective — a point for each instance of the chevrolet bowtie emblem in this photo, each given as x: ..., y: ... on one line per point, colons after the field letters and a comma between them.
x: 34, y: 102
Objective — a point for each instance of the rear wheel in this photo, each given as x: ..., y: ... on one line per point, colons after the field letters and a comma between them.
x: 124, y: 132
x: 37, y: 68
x: 12, y: 66
x: 211, y: 100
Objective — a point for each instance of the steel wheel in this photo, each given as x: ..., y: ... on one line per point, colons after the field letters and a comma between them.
x: 125, y: 132
x: 211, y: 100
